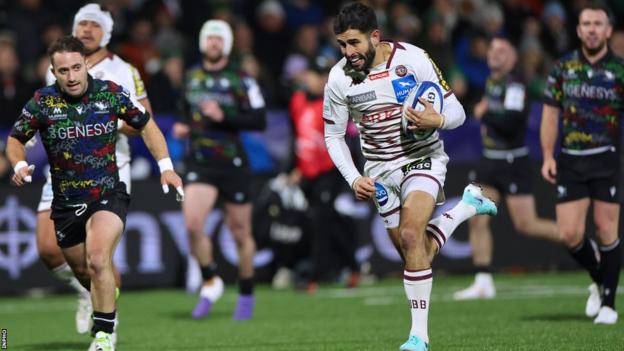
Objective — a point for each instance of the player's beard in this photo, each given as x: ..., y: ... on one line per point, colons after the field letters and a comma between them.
x: 359, y: 74
x: 213, y: 58
x: 368, y: 57
x: 596, y: 50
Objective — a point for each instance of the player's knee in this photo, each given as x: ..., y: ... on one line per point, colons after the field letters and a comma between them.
x: 81, y: 272
x: 410, y: 238
x: 570, y: 236
x: 240, y: 228
x: 195, y: 226
x: 605, y: 227
x: 247, y: 243
x: 98, y: 262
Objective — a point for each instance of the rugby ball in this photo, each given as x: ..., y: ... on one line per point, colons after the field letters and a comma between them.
x: 433, y: 94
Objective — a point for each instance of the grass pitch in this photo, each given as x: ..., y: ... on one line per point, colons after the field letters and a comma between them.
x: 531, y: 312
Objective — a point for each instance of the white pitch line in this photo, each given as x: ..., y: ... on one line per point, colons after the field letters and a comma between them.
x: 385, y: 295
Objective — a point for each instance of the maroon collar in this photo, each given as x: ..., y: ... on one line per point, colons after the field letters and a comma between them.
x: 396, y: 45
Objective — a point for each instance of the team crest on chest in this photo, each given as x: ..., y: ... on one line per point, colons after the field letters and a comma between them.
x: 400, y: 70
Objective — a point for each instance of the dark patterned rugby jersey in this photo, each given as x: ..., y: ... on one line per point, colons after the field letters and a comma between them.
x: 79, y: 136
x: 505, y: 120
x: 218, y: 144
x: 591, y: 97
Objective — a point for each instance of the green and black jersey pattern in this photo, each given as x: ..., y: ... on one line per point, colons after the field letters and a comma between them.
x: 79, y: 136
x: 591, y: 97
x: 505, y: 120
x: 238, y: 95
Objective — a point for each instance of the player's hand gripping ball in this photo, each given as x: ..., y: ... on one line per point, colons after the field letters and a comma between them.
x: 433, y: 94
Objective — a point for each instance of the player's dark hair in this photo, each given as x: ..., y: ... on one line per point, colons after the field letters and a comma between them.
x: 67, y: 43
x: 598, y: 6
x: 355, y: 16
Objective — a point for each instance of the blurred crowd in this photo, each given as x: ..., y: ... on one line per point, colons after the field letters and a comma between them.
x: 280, y: 42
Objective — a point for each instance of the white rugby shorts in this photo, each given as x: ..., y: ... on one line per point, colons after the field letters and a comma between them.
x: 425, y: 174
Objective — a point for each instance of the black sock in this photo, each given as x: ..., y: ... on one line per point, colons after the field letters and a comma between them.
x: 483, y: 269
x: 103, y: 322
x: 610, y: 261
x: 208, y: 271
x: 245, y: 286
x: 585, y: 255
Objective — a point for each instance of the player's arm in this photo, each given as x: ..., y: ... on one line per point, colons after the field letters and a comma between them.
x: 250, y: 117
x: 16, y: 154
x: 129, y: 131
x: 453, y: 114
x: 135, y: 116
x: 515, y: 113
x: 549, y: 130
x: 336, y: 118
x: 23, y: 130
x: 181, y: 128
x: 157, y: 145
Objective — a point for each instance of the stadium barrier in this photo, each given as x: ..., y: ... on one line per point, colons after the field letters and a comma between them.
x: 153, y: 250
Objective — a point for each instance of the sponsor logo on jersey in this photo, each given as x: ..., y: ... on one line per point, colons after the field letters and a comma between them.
x: 381, y: 194
x: 53, y: 101
x: 422, y: 164
x: 609, y: 75
x: 80, y: 131
x: 569, y: 74
x: 400, y: 71
x: 362, y: 98
x: 101, y: 107
x: 26, y: 113
x: 380, y: 115
x: 588, y: 91
x: 379, y: 75
x: 57, y: 117
x: 402, y: 87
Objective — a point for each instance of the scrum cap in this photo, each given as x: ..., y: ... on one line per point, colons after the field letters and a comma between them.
x: 93, y: 12
x: 218, y: 28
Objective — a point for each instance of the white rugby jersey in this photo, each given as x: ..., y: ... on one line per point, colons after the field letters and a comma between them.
x: 113, y: 68
x: 376, y: 106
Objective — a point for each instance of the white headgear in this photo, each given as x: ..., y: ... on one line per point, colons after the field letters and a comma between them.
x: 93, y: 12
x: 219, y: 28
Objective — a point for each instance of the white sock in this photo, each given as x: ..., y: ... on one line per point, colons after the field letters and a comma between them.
x: 418, y: 290
x: 442, y: 227
x: 66, y: 275
x: 483, y: 278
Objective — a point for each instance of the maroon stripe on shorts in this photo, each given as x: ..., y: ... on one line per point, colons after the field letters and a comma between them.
x: 386, y: 214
